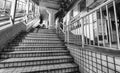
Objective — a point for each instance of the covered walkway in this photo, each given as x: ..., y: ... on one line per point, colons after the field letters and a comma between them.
x: 59, y: 36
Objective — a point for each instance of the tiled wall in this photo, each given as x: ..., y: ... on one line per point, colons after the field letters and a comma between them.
x: 95, y: 60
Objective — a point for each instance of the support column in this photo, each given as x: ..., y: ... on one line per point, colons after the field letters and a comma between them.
x: 51, y: 18
x: 27, y: 10
x: 4, y: 6
x: 33, y: 10
x: 13, y: 11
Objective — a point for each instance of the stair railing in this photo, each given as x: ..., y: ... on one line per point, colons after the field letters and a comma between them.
x: 98, y: 28
x: 60, y: 31
x: 93, y: 39
x: 7, y: 22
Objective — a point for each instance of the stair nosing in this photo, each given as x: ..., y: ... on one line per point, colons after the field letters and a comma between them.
x: 48, y: 67
x: 34, y: 59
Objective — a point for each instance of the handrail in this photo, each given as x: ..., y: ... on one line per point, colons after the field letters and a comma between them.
x: 62, y: 30
x: 7, y: 17
x: 5, y: 21
x: 90, y: 27
x: 79, y: 16
x: 8, y: 22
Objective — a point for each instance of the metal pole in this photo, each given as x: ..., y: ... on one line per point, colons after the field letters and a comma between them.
x: 102, y: 24
x: 27, y: 10
x: 117, y: 32
x: 13, y: 11
x: 93, y: 28
x: 89, y: 30
x: 97, y: 28
x: 82, y: 25
x: 5, y: 6
x: 108, y: 21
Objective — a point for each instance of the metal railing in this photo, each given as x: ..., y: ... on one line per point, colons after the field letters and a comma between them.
x: 6, y: 20
x: 99, y: 27
x: 19, y: 17
x: 93, y: 39
x: 60, y: 31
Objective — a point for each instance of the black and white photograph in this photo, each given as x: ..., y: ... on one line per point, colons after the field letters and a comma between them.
x: 59, y: 36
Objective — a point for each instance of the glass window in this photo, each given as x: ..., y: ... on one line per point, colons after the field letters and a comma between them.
x: 21, y: 8
x: 5, y: 6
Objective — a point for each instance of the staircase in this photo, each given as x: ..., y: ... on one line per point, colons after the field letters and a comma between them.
x: 37, y: 52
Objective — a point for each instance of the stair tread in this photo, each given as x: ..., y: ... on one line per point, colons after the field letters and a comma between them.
x: 50, y: 42
x: 25, y: 40
x: 38, y: 68
x: 36, y: 51
x: 36, y: 58
x: 41, y: 34
x: 55, y: 48
x: 36, y: 46
x: 38, y: 43
x: 41, y: 38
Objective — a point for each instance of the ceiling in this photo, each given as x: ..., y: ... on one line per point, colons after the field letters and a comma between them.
x: 61, y: 5
x: 52, y: 4
x: 55, y: 4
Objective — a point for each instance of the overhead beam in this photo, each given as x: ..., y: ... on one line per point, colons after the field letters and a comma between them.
x: 49, y: 1
x: 50, y: 5
x: 53, y: 8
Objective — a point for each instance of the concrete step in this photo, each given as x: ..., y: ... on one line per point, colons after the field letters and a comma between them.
x: 55, y: 68
x: 36, y: 34
x: 23, y: 54
x: 33, y: 49
x: 37, y: 47
x: 41, y: 36
x: 43, y: 30
x: 45, y: 46
x: 35, y: 44
x: 33, y: 61
x: 35, y: 40
x: 37, y: 37
x: 41, y: 52
x: 40, y: 42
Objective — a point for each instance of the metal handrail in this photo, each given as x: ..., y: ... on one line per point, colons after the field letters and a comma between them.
x: 84, y: 20
x: 79, y: 16
x: 4, y: 23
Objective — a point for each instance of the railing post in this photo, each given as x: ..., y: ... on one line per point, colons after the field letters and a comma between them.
x: 65, y: 30
x: 82, y: 25
x: 116, y: 23
x: 4, y: 6
x: 27, y: 10
x: 13, y: 11
x: 68, y: 35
